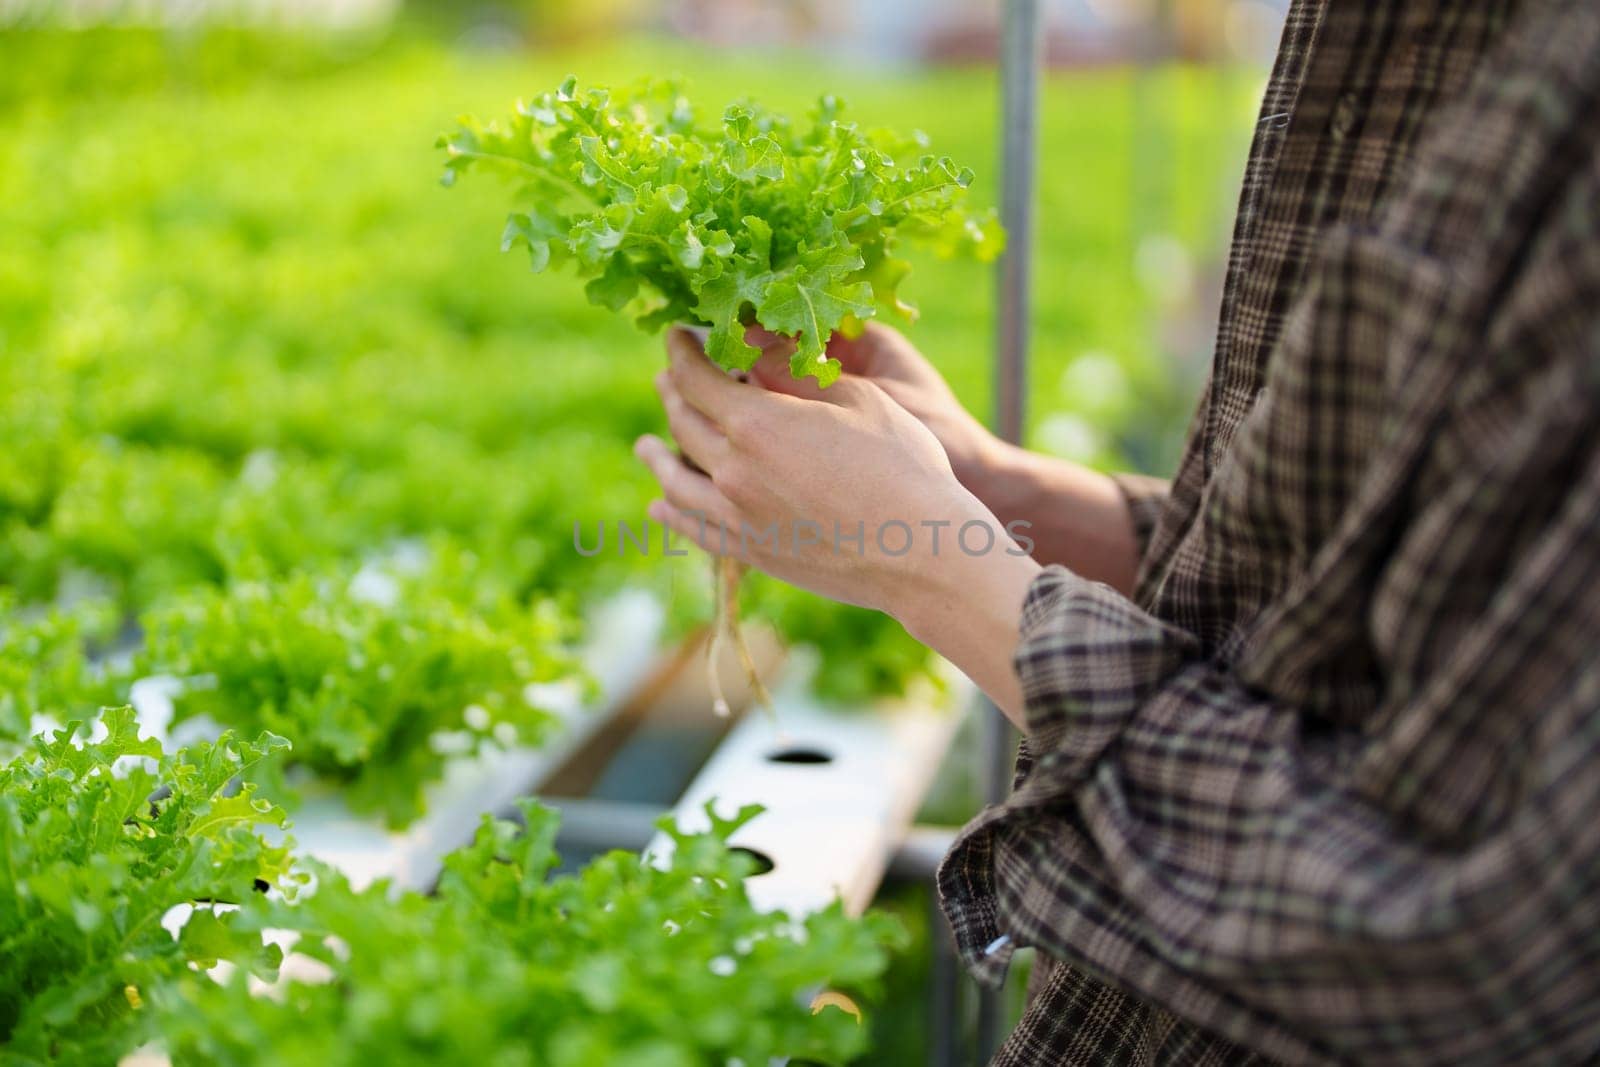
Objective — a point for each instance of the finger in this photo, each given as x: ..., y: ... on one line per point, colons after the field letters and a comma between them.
x: 697, y: 527
x: 696, y: 435
x: 683, y: 487
x: 772, y: 372
x: 703, y: 384
x: 856, y: 356
x: 763, y: 338
x: 853, y: 353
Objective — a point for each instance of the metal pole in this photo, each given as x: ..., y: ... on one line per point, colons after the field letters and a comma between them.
x: 1150, y: 189
x: 944, y: 991
x: 1021, y: 57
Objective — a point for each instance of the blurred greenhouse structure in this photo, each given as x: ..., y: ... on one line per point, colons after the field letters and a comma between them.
x: 287, y: 446
x: 912, y: 30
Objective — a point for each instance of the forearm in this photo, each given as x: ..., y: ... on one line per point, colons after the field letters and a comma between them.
x: 1077, y: 517
x: 1346, y: 882
x: 968, y: 609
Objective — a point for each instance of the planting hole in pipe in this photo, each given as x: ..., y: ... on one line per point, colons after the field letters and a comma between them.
x: 800, y: 754
x: 761, y: 863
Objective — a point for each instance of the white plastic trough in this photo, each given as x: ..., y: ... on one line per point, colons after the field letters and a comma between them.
x: 840, y: 789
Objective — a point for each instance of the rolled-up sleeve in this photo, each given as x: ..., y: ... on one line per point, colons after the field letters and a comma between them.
x: 1145, y: 497
x: 1348, y: 811
x: 1210, y: 848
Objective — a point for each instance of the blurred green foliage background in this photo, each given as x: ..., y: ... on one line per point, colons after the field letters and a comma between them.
x: 242, y: 330
x: 245, y: 336
x: 247, y: 343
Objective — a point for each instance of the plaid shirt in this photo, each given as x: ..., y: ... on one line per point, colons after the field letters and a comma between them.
x: 1328, y: 788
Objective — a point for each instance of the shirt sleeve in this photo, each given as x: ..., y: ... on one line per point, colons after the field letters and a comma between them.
x: 1353, y: 815
x: 1145, y: 497
x: 1218, y: 850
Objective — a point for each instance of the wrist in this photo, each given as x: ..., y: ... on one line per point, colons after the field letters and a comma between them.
x: 958, y: 587
x: 966, y: 605
x: 978, y: 456
x: 1006, y: 478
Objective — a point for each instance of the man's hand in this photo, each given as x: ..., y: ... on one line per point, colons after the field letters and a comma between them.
x: 1075, y: 516
x: 844, y: 493
x: 883, y: 356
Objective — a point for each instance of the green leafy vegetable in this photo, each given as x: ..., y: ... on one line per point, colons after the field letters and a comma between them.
x: 624, y: 962
x: 126, y: 876
x: 760, y: 220
x: 363, y: 675
x: 45, y: 667
x: 756, y: 220
x: 99, y: 840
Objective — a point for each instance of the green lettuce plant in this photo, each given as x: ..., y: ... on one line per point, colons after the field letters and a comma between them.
x: 755, y: 219
x: 623, y: 962
x: 99, y: 841
x: 364, y: 681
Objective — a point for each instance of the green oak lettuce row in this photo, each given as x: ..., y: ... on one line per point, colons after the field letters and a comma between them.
x: 47, y: 663
x: 755, y: 220
x: 43, y: 54
x: 379, y: 673
x: 622, y: 962
x: 142, y: 521
x: 626, y: 961
x: 99, y: 839
x: 365, y: 672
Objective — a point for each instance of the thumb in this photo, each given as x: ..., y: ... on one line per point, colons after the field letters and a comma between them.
x: 857, y: 355
x: 771, y: 370
x: 847, y: 391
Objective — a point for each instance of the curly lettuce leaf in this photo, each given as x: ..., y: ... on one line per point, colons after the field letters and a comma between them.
x: 755, y: 220
x: 100, y: 838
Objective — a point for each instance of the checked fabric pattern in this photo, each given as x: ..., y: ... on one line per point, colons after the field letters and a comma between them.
x: 1327, y: 790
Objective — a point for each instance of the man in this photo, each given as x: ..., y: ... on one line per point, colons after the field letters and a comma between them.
x: 1311, y: 768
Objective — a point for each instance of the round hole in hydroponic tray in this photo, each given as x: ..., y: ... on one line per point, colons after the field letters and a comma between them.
x: 802, y: 754
x: 762, y: 863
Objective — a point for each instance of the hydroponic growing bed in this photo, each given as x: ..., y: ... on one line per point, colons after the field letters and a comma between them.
x: 287, y: 454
